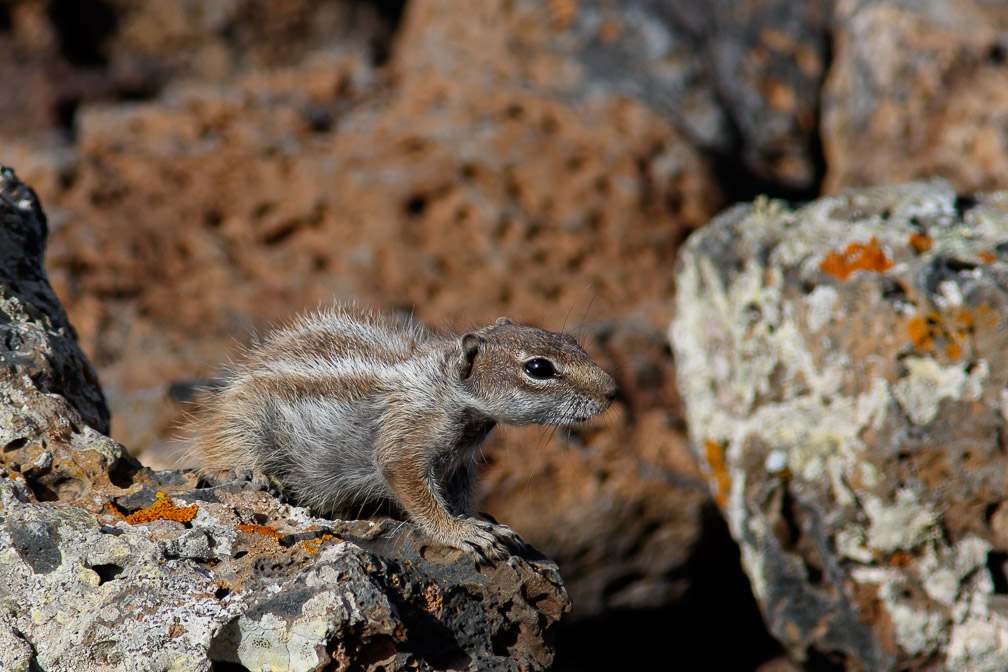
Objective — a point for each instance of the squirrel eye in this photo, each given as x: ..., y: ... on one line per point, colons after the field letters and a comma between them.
x: 540, y: 368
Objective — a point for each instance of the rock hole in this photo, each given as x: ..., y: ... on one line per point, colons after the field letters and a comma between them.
x: 504, y: 640
x: 997, y: 565
x: 15, y: 444
x: 5, y: 18
x: 83, y: 26
x: 122, y: 471
x: 319, y: 117
x: 959, y: 265
x: 964, y: 203
x: 282, y: 232
x: 515, y: 111
x: 106, y: 572
x: 390, y: 13
x: 543, y: 603
x: 829, y: 661
x: 239, y: 555
x: 377, y: 650
x: 262, y: 210
x: 40, y: 491
x: 789, y: 517
x: 222, y: 592
x: 815, y: 573
x: 227, y: 666
x: 415, y: 205
x: 123, y: 511
x: 212, y: 219
x: 997, y: 54
x: 990, y: 510
x: 893, y: 291
x: 66, y: 112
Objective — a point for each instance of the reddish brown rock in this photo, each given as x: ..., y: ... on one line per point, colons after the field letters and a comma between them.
x: 917, y: 91
x: 474, y: 176
x: 537, y: 160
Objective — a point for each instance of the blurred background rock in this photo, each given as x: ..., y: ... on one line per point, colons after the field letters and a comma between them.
x: 212, y: 167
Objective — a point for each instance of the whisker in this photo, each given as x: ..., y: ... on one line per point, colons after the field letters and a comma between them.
x: 585, y: 315
x: 567, y: 317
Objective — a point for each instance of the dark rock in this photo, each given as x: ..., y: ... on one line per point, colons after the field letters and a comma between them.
x: 36, y: 338
x: 844, y: 368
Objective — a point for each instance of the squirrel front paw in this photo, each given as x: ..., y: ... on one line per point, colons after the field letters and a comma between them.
x: 482, y: 539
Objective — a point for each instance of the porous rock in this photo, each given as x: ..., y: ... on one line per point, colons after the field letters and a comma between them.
x: 916, y: 90
x: 106, y: 565
x: 844, y: 367
x: 446, y: 184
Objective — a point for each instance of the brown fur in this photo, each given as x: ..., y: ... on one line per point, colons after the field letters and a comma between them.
x: 346, y: 407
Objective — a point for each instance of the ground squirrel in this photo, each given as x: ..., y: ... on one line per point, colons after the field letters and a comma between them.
x: 346, y: 407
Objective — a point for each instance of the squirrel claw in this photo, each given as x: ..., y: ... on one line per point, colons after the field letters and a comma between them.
x: 486, y: 541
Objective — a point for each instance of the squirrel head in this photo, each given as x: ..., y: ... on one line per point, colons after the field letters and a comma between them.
x: 520, y: 375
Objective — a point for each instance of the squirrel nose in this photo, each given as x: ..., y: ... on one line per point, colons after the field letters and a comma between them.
x: 611, y: 390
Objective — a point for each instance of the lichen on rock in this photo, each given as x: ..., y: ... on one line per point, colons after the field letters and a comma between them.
x: 849, y: 359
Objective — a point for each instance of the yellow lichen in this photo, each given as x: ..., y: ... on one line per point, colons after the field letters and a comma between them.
x: 163, y: 509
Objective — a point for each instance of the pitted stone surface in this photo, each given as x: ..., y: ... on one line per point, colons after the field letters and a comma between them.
x: 844, y: 367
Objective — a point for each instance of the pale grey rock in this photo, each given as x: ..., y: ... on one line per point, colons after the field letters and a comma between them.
x: 853, y: 422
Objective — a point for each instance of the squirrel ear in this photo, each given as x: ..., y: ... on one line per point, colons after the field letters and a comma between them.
x: 471, y: 344
x: 502, y: 321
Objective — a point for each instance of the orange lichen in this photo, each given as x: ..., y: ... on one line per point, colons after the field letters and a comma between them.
x: 312, y: 546
x: 259, y: 529
x: 899, y: 559
x: 920, y: 333
x: 721, y: 480
x: 987, y: 257
x: 920, y: 243
x: 856, y: 257
x: 924, y: 332
x: 163, y: 509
